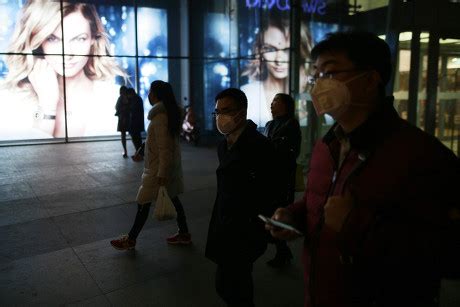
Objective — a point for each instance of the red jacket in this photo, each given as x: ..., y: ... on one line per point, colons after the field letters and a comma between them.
x: 388, y: 252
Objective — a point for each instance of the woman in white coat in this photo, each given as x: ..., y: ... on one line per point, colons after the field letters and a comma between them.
x: 163, y: 165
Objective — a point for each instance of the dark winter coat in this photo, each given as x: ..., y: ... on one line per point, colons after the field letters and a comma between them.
x: 392, y: 246
x: 245, y: 179
x: 123, y: 111
x: 137, y: 114
x: 284, y: 133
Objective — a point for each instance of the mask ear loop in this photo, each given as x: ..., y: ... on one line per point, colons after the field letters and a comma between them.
x: 362, y: 105
x: 237, y: 115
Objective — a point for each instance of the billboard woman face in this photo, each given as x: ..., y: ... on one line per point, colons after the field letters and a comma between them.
x: 78, y: 42
x: 276, y: 52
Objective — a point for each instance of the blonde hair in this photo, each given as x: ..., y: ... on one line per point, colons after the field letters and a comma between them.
x: 257, y: 68
x: 38, y: 21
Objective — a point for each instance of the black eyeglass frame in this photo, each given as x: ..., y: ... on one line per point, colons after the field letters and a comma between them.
x: 311, y: 79
x: 229, y: 111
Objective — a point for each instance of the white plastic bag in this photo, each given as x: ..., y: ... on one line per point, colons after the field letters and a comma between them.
x: 164, y: 208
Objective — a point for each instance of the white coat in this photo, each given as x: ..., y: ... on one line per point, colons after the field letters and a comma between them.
x: 162, y: 158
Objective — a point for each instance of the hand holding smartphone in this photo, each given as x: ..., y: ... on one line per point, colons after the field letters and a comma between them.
x: 279, y: 224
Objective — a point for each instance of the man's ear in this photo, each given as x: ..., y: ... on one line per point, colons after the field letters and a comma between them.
x: 245, y: 113
x: 374, y: 78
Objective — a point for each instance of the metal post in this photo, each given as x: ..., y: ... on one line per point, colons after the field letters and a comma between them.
x: 432, y: 83
x: 392, y: 39
x: 414, y: 77
x: 294, y: 51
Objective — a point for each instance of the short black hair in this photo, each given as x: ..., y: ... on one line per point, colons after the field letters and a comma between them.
x: 236, y: 94
x: 288, y: 102
x: 365, y: 49
x: 123, y: 89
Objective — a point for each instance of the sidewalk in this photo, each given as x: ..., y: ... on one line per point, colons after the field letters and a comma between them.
x: 61, y: 204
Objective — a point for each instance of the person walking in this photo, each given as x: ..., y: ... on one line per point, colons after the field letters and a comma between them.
x: 245, y: 184
x: 284, y: 133
x: 163, y: 166
x: 123, y: 111
x: 136, y: 126
x: 381, y: 204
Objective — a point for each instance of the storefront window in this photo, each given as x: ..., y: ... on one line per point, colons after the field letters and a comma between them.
x: 60, y: 73
x: 448, y: 96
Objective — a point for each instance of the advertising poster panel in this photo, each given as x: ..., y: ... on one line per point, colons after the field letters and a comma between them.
x: 62, y: 63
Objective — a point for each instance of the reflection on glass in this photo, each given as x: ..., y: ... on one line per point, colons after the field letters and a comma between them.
x: 266, y: 73
x: 216, y: 72
x: 33, y: 78
x: 150, y: 69
x: 118, y: 26
x: 152, y: 32
x: 448, y: 96
x: 35, y: 83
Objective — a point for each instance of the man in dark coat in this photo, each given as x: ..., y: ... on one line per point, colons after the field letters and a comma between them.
x: 136, y: 126
x: 381, y: 202
x: 284, y: 133
x: 245, y: 179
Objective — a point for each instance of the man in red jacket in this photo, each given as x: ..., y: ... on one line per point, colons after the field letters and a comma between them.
x: 381, y: 197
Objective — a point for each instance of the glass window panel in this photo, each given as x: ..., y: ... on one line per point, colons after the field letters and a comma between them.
x: 117, y: 22
x: 32, y: 106
x: 90, y: 111
x: 217, y: 36
x: 10, y: 27
x: 448, y: 96
x: 152, y: 32
x: 151, y: 69
x: 113, y: 31
x: 264, y: 70
x: 216, y: 79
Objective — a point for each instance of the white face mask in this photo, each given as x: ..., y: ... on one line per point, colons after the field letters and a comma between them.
x: 226, y: 124
x: 332, y: 96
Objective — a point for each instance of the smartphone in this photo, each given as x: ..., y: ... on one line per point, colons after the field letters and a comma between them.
x: 278, y: 224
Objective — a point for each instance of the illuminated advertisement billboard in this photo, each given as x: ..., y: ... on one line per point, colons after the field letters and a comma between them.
x: 266, y: 47
x: 62, y: 63
x: 258, y: 61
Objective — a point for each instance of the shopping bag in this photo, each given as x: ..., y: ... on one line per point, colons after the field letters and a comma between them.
x: 164, y: 208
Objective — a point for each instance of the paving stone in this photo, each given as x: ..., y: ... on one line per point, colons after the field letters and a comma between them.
x: 89, y: 226
x: 49, y: 279
x: 18, y: 190
x: 30, y: 238
x: 20, y: 211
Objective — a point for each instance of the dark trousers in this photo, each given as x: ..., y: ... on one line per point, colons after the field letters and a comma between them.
x: 234, y: 284
x: 143, y: 213
x: 282, y: 249
x: 137, y: 139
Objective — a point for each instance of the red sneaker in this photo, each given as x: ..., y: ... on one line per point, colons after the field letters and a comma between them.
x: 137, y: 158
x: 124, y: 243
x: 180, y: 238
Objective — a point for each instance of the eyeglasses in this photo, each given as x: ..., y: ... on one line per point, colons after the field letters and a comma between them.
x: 269, y: 48
x: 223, y: 112
x: 311, y: 79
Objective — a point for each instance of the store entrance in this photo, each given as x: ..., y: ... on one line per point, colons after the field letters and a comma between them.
x: 427, y: 85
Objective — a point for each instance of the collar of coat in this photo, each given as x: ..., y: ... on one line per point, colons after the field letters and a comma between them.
x: 380, y: 124
x: 157, y: 108
x: 226, y: 156
x: 248, y: 129
x: 279, y: 124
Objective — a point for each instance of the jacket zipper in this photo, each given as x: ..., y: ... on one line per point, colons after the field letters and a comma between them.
x: 362, y: 158
x: 320, y: 225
